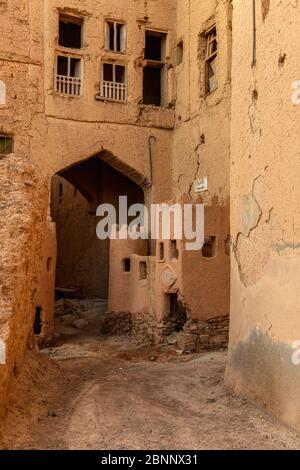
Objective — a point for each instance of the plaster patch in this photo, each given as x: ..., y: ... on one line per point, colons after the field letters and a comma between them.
x: 251, y: 214
x: 2, y: 352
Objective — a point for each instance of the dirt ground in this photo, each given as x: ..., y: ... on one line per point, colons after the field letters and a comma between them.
x: 91, y: 391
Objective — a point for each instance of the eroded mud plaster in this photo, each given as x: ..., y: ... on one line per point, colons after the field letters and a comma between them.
x: 23, y: 204
x: 265, y: 224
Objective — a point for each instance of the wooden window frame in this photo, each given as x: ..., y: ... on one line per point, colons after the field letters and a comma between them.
x: 210, y: 55
x: 123, y: 42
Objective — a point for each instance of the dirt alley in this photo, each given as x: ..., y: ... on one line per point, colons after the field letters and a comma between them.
x: 101, y: 392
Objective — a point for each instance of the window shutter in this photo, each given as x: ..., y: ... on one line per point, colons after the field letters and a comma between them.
x: 107, y: 35
x: 123, y: 38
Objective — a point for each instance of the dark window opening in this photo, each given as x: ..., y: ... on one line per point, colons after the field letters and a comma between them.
x: 152, y: 85
x: 37, y: 326
x: 6, y: 145
x: 161, y: 252
x: 120, y: 74
x: 108, y: 72
x: 62, y: 65
x: 127, y: 265
x: 153, y: 49
x: 70, y: 32
x: 143, y: 270
x: 177, y: 313
x: 209, y: 247
x: 179, y: 53
x: 174, y: 250
x: 154, y: 69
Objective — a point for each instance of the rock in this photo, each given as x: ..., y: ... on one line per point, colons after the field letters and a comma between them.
x: 172, y: 340
x: 69, y: 319
x: 59, y: 308
x: 80, y: 323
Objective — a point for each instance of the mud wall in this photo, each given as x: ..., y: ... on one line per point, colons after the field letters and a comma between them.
x: 265, y: 223
x: 23, y: 216
x: 201, y: 149
x: 201, y: 142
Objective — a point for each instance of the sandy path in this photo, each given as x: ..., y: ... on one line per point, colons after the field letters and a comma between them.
x: 108, y: 395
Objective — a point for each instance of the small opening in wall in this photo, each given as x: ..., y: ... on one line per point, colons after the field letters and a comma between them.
x: 143, y: 270
x: 70, y: 29
x: 127, y: 265
x: 49, y: 264
x: 174, y: 250
x: 209, y: 247
x: 177, y: 313
x: 6, y: 145
x: 37, y: 326
x: 179, y: 53
x: 161, y: 252
x: 60, y: 194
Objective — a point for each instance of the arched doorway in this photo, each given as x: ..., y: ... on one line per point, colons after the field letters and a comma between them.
x: 83, y: 259
x: 82, y: 270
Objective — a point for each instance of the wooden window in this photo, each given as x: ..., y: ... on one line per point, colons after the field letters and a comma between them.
x: 154, y: 70
x: 115, y: 36
x: 68, y: 75
x: 211, y: 60
x: 114, y: 82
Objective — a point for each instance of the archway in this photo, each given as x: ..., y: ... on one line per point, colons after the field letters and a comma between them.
x: 82, y: 259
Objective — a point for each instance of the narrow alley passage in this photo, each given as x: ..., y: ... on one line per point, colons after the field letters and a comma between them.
x: 93, y: 391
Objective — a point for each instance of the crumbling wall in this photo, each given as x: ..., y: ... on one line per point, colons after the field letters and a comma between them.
x: 23, y: 215
x: 131, y: 305
x: 201, y: 144
x: 265, y: 223
x: 200, y: 280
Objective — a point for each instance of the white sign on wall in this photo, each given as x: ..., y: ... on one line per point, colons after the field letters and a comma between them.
x: 2, y: 93
x: 201, y: 185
